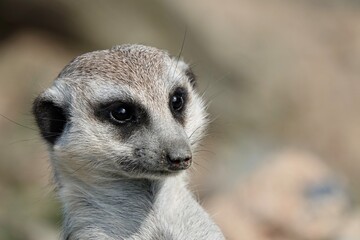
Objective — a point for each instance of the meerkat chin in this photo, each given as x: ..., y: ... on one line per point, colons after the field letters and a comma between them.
x: 123, y: 124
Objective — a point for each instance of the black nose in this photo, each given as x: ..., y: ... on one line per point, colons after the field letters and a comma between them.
x: 178, y: 162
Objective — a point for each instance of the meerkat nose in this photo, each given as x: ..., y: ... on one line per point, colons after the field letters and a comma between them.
x: 178, y: 161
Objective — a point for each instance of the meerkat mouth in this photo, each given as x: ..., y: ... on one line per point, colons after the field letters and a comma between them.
x: 178, y: 165
x: 173, y: 169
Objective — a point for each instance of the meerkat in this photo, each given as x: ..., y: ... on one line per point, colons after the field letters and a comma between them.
x: 121, y: 126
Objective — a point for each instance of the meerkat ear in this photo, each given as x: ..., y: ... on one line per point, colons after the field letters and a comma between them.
x: 50, y: 118
x: 191, y: 76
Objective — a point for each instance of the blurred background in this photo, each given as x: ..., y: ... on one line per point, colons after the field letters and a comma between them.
x: 282, y: 158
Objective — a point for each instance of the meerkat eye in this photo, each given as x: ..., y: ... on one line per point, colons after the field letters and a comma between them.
x: 122, y: 113
x: 177, y: 100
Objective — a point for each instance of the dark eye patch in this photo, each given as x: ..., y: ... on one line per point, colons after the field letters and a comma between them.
x: 177, y: 103
x: 126, y: 116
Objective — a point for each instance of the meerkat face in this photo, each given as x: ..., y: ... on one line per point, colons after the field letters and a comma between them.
x: 131, y: 111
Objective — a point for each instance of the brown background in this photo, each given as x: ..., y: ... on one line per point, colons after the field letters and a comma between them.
x: 283, y: 79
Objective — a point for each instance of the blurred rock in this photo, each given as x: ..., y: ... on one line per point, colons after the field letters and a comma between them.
x: 350, y: 229
x: 293, y: 195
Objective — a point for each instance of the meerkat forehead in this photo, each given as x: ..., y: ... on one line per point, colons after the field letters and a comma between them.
x: 128, y: 70
x: 120, y: 63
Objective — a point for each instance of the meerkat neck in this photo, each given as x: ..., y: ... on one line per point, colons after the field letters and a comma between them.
x: 122, y: 205
x: 121, y: 188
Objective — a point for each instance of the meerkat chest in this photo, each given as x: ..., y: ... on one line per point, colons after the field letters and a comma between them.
x: 177, y: 216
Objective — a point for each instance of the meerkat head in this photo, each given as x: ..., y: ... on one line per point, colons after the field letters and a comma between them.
x: 130, y: 111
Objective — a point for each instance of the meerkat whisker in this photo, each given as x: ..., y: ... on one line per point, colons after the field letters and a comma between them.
x: 16, y: 123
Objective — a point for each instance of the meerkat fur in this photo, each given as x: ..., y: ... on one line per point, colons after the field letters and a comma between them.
x: 121, y: 126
